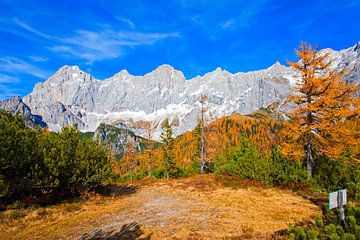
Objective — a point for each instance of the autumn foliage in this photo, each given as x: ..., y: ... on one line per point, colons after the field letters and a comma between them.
x: 325, y: 106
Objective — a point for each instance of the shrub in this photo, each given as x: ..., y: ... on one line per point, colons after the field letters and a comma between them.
x: 34, y: 160
x: 245, y: 162
x: 334, y: 236
x: 319, y: 222
x: 300, y: 233
x: 312, y: 234
x: 285, y: 171
x: 333, y: 230
x: 349, y: 236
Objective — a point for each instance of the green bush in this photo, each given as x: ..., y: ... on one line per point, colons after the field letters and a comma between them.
x: 350, y: 224
x: 340, y: 230
x: 312, y: 234
x: 300, y: 233
x: 35, y: 159
x: 245, y: 162
x: 332, y: 229
x: 349, y: 236
x: 333, y: 175
x: 319, y: 222
x: 248, y: 162
x: 285, y: 171
x: 292, y: 236
x: 334, y: 236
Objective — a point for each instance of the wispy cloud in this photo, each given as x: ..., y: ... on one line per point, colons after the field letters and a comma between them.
x: 248, y: 13
x: 19, y: 66
x: 5, y: 78
x: 7, y: 91
x: 106, y: 44
x: 95, y: 45
x: 215, y: 19
x: 29, y: 28
x: 38, y: 58
x: 127, y: 21
x: 228, y: 23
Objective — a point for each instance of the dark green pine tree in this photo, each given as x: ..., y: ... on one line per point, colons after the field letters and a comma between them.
x: 167, y: 140
x: 197, y: 135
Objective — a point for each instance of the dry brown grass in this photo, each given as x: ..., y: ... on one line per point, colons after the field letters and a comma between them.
x: 194, y: 208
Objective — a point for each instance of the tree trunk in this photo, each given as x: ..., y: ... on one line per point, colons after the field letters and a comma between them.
x: 202, y: 167
x: 309, y: 160
x: 309, y: 147
x: 149, y: 166
x: 131, y: 174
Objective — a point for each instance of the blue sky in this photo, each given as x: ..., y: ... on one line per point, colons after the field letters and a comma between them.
x: 194, y: 36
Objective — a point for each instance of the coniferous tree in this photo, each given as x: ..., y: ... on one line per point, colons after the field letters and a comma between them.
x: 197, y: 136
x: 149, y: 129
x: 39, y: 159
x: 203, y: 100
x: 130, y: 156
x: 18, y: 152
x: 167, y: 140
x: 325, y: 101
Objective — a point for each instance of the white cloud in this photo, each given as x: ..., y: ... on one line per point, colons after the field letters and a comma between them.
x: 127, y: 21
x: 38, y: 58
x: 228, y: 23
x: 94, y: 46
x: 27, y: 27
x: 7, y: 91
x: 18, y: 66
x: 5, y: 78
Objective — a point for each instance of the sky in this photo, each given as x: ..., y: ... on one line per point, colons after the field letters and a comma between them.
x: 37, y: 37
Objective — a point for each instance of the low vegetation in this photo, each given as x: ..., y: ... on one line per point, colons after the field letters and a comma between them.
x: 37, y: 166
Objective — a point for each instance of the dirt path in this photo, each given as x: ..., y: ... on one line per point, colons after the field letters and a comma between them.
x: 194, y: 208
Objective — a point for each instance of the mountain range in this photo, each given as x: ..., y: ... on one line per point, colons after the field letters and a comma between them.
x: 74, y: 96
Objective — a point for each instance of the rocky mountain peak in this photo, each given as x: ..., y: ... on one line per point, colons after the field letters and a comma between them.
x: 123, y: 74
x: 165, y: 68
x: 162, y: 93
x: 68, y: 73
x: 68, y: 68
x: 16, y: 105
x: 276, y: 65
x: 166, y: 74
x: 16, y: 99
x: 357, y: 47
x: 276, y: 68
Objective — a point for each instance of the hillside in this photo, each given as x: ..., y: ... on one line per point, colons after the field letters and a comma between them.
x: 222, y: 136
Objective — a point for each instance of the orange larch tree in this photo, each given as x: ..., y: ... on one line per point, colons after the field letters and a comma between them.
x: 130, y: 156
x: 324, y: 102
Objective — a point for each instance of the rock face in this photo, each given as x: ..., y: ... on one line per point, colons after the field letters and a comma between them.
x: 16, y: 105
x: 71, y: 95
x: 117, y: 138
x: 57, y: 115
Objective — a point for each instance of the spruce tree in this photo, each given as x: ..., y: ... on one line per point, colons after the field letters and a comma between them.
x: 197, y: 136
x: 167, y: 140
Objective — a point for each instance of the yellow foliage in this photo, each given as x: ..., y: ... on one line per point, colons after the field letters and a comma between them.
x: 326, y: 105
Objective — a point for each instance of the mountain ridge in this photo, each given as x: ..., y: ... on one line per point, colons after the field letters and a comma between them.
x: 72, y: 95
